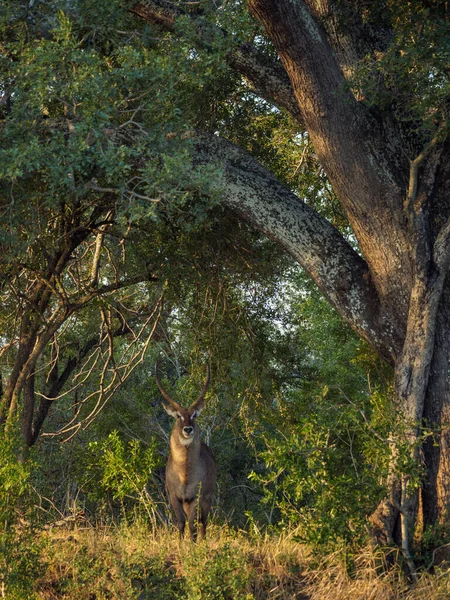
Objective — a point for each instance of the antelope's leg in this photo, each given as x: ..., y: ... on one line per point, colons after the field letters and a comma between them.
x: 190, y: 508
x: 179, y: 513
x: 205, y: 507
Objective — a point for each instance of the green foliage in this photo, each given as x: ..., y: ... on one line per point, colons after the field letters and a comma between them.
x: 155, y: 578
x: 92, y: 113
x: 434, y: 544
x: 323, y: 461
x: 413, y: 71
x: 120, y: 471
x: 216, y: 574
x: 20, y: 554
x: 315, y: 474
x: 14, y: 475
x: 97, y: 118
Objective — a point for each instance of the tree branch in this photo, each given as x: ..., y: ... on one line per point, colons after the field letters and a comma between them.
x: 113, y: 375
x: 351, y: 145
x: 342, y: 275
x: 266, y: 76
x: 159, y: 12
x: 438, y: 137
x: 57, y: 384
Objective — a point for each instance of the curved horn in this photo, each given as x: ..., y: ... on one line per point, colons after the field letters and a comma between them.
x: 198, y: 404
x: 164, y: 394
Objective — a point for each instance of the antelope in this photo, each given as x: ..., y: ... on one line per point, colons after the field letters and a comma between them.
x: 191, y: 467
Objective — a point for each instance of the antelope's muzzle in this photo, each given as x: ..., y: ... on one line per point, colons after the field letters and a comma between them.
x: 188, y: 431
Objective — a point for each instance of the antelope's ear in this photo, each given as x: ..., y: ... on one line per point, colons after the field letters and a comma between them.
x: 197, y: 407
x: 171, y: 411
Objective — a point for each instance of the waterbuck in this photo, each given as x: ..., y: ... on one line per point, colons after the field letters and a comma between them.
x: 191, y: 468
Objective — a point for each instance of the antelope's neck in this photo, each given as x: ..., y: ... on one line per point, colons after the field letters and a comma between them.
x: 184, y: 453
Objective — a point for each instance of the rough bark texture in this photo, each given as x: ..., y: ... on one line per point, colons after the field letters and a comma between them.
x: 338, y: 270
x: 436, y: 450
x: 346, y: 141
x: 407, y: 262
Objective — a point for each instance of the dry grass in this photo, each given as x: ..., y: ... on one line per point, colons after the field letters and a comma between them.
x: 131, y: 562
x: 372, y: 578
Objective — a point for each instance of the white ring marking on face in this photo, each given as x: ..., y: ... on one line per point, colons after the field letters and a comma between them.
x: 186, y: 441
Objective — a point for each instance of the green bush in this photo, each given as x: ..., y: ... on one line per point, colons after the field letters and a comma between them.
x: 154, y: 578
x: 316, y: 471
x: 81, y: 570
x: 216, y: 574
x: 20, y: 554
x: 120, y: 471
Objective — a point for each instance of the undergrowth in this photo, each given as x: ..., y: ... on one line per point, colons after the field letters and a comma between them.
x: 132, y: 562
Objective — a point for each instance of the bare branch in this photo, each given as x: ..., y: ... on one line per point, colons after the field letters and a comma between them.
x: 417, y: 162
x: 159, y: 12
x: 97, y: 254
x: 113, y: 374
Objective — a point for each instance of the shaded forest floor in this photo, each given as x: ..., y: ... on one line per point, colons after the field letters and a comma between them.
x: 131, y: 562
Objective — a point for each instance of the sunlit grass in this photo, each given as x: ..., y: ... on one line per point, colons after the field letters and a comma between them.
x: 133, y: 562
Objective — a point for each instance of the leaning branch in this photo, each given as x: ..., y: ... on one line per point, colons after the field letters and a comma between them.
x: 417, y: 162
x: 342, y: 275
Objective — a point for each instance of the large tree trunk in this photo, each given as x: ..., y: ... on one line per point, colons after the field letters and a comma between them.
x: 436, y: 448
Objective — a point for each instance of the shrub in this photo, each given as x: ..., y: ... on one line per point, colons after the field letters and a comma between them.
x: 216, y: 574
x: 108, y: 563
x: 120, y: 472
x: 20, y: 554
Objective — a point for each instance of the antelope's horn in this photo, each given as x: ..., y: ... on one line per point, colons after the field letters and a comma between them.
x: 165, y: 395
x: 204, y: 389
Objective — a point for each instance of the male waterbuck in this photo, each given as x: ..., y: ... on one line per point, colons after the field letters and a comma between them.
x: 191, y: 468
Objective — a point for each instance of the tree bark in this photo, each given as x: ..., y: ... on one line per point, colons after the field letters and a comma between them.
x: 349, y: 145
x: 436, y: 449
x: 265, y: 75
x: 338, y: 270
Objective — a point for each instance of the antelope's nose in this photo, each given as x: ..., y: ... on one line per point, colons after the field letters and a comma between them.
x: 188, y: 430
